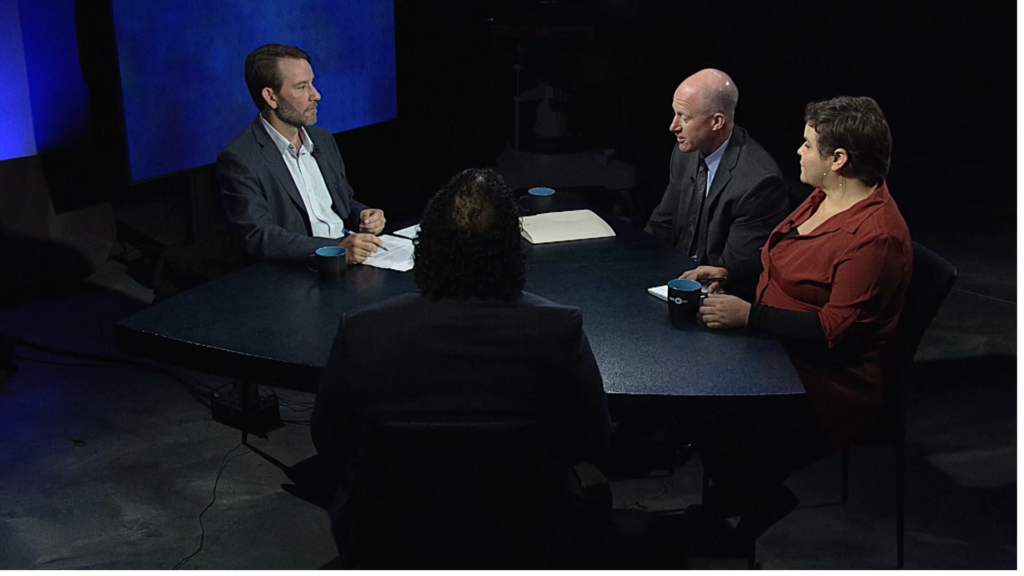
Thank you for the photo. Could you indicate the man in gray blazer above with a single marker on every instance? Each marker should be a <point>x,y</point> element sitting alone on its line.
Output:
<point>725,192</point>
<point>282,179</point>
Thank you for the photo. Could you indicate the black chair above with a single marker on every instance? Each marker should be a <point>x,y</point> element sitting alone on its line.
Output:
<point>458,495</point>
<point>931,281</point>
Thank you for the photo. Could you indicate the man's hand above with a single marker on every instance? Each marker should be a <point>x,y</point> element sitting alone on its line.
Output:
<point>725,311</point>
<point>701,272</point>
<point>371,221</point>
<point>359,246</point>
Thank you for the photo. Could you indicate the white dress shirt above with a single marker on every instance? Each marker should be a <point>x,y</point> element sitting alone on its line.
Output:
<point>323,220</point>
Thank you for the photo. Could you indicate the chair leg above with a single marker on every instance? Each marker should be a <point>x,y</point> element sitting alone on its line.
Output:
<point>900,502</point>
<point>846,475</point>
<point>749,539</point>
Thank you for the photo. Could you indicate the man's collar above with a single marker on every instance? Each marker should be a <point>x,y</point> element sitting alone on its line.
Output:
<point>281,142</point>
<point>719,152</point>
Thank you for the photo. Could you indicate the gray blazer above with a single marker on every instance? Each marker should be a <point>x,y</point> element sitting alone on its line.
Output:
<point>746,200</point>
<point>264,209</point>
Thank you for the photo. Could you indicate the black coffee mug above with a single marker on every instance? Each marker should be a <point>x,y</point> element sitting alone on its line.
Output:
<point>540,200</point>
<point>329,262</point>
<point>683,302</point>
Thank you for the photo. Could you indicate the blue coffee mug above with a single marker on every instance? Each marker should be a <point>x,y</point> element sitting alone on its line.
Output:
<point>540,199</point>
<point>329,262</point>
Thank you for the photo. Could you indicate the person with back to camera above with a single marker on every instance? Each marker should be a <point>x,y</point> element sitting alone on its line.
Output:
<point>470,343</point>
<point>832,280</point>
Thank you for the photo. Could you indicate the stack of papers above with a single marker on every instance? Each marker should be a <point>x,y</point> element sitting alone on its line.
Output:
<point>398,256</point>
<point>659,292</point>
<point>565,226</point>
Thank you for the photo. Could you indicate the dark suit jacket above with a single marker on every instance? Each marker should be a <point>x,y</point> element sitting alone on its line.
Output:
<point>412,355</point>
<point>263,206</point>
<point>746,200</point>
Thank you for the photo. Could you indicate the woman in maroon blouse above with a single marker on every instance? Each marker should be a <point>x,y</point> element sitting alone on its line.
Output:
<point>832,278</point>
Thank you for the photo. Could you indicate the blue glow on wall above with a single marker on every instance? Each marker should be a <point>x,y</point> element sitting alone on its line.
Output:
<point>60,102</point>
<point>17,138</point>
<point>182,70</point>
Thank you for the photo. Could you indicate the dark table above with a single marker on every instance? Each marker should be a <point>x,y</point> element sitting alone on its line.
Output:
<point>274,324</point>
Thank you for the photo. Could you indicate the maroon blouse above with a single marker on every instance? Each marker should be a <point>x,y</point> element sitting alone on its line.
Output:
<point>853,271</point>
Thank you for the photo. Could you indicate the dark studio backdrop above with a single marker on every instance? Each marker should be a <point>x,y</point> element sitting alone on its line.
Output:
<point>946,78</point>
<point>951,105</point>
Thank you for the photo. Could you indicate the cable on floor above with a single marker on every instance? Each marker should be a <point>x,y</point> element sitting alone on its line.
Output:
<point>200,391</point>
<point>101,361</point>
<point>298,407</point>
<point>202,529</point>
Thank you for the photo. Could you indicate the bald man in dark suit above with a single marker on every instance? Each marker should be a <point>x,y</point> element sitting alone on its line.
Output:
<point>725,192</point>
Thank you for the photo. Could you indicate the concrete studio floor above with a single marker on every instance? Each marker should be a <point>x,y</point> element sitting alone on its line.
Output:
<point>110,465</point>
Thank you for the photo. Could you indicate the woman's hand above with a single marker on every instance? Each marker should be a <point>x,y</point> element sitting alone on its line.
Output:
<point>724,311</point>
<point>703,272</point>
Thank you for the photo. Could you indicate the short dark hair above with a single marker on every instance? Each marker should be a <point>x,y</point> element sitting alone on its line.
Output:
<point>858,126</point>
<point>470,242</point>
<point>261,70</point>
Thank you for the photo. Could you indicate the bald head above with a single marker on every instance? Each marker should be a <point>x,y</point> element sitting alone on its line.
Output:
<point>714,89</point>
<point>704,106</point>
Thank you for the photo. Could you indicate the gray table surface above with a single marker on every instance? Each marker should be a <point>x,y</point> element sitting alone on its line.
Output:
<point>274,323</point>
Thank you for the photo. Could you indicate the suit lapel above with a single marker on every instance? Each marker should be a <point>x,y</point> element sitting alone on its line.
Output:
<point>722,177</point>
<point>273,158</point>
<point>687,184</point>
<point>724,172</point>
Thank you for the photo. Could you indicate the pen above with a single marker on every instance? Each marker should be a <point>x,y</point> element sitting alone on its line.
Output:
<point>347,232</point>
<point>709,280</point>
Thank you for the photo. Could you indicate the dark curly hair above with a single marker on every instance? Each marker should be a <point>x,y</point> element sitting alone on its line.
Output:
<point>858,126</point>
<point>470,243</point>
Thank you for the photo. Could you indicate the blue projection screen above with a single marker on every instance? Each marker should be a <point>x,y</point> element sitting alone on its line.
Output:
<point>182,70</point>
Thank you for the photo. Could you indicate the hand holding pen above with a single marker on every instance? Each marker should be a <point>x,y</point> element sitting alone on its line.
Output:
<point>360,246</point>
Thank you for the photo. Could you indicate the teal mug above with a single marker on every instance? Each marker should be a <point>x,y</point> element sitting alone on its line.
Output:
<point>329,262</point>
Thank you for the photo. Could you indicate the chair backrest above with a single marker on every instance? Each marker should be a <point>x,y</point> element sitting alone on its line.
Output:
<point>930,282</point>
<point>454,495</point>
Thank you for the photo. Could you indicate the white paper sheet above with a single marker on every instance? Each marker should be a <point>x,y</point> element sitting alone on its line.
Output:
<point>409,232</point>
<point>659,292</point>
<point>398,256</point>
